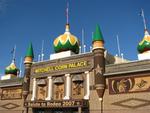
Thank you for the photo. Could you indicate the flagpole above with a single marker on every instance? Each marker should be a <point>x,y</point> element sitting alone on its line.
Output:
<point>90,48</point>
<point>92,38</point>
<point>122,57</point>
<point>42,51</point>
<point>20,67</point>
<point>118,45</point>
<point>14,53</point>
<point>82,47</point>
<point>39,57</point>
<point>79,49</point>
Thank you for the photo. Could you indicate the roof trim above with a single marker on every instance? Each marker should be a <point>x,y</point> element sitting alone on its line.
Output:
<point>124,72</point>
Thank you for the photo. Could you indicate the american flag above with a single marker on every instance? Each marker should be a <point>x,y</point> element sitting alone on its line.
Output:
<point>141,13</point>
<point>12,51</point>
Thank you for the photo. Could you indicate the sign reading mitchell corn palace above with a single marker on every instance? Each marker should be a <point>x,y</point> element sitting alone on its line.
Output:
<point>60,80</point>
<point>64,82</point>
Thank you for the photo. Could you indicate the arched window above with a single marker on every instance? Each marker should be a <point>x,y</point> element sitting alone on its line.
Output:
<point>58,88</point>
<point>77,87</point>
<point>41,89</point>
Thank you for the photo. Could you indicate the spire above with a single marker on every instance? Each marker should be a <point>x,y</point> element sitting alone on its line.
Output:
<point>98,41</point>
<point>13,52</point>
<point>143,16</point>
<point>146,33</point>
<point>67,13</point>
<point>67,19</point>
<point>97,36</point>
<point>67,28</point>
<point>30,51</point>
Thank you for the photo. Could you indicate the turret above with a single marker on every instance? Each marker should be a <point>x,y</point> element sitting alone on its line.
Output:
<point>99,61</point>
<point>27,63</point>
<point>98,41</point>
<point>29,55</point>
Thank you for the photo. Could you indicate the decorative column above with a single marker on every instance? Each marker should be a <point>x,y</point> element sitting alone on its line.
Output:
<point>87,86</point>
<point>79,110</point>
<point>34,90</point>
<point>50,83</point>
<point>67,87</point>
<point>99,62</point>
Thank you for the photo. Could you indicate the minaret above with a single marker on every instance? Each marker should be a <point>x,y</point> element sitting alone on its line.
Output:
<point>27,63</point>
<point>99,62</point>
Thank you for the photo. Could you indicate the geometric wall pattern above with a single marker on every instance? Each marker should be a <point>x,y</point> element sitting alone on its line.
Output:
<point>132,103</point>
<point>9,106</point>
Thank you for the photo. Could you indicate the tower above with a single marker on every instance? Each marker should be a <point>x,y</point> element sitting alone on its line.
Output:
<point>27,63</point>
<point>99,61</point>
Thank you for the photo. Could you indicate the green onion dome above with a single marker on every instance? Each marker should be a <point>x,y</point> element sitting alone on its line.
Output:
<point>144,45</point>
<point>66,42</point>
<point>11,69</point>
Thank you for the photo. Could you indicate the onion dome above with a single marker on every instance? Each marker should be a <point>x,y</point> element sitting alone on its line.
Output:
<point>66,42</point>
<point>144,45</point>
<point>11,69</point>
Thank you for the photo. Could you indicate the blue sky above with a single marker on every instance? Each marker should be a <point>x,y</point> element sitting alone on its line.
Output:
<point>25,21</point>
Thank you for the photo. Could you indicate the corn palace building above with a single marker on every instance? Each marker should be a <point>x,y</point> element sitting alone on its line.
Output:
<point>69,82</point>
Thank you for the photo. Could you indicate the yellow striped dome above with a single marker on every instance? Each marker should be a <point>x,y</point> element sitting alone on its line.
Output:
<point>66,41</point>
<point>144,45</point>
<point>11,69</point>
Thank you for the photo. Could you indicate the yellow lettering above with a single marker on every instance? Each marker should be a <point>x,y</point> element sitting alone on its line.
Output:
<point>61,67</point>
<point>72,65</point>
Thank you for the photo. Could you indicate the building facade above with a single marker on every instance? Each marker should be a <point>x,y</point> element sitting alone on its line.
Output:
<point>78,83</point>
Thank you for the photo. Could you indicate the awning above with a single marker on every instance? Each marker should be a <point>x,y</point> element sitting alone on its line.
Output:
<point>41,82</point>
<point>58,80</point>
<point>77,78</point>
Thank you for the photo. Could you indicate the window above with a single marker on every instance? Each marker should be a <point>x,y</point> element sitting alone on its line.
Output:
<point>41,89</point>
<point>58,88</point>
<point>77,87</point>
